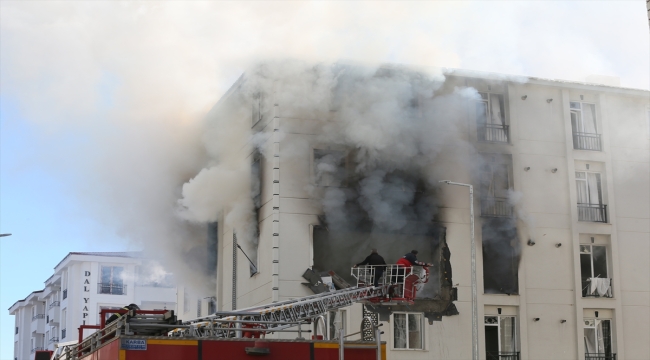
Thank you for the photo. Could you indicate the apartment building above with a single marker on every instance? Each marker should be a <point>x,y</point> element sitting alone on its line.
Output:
<point>561,177</point>
<point>82,285</point>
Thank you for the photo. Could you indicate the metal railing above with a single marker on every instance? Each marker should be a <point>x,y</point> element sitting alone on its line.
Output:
<point>54,304</point>
<point>493,133</point>
<point>390,274</point>
<point>63,333</point>
<point>38,316</point>
<point>502,355</point>
<point>586,286</point>
<point>110,288</point>
<point>592,212</point>
<point>495,207</point>
<point>53,339</point>
<point>600,356</point>
<point>38,348</point>
<point>586,141</point>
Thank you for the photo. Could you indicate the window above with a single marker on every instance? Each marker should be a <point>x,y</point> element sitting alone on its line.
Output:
<point>64,319</point>
<point>501,338</point>
<point>186,301</point>
<point>590,197</point>
<point>495,186</point>
<point>336,321</point>
<point>256,107</point>
<point>198,308</point>
<point>212,306</point>
<point>491,118</point>
<point>407,331</point>
<point>16,330</point>
<point>593,269</point>
<point>111,281</point>
<point>598,339</point>
<point>583,124</point>
<point>501,253</point>
<point>330,168</point>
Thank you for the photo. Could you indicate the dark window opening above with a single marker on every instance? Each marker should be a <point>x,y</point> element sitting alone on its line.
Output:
<point>495,186</point>
<point>501,338</point>
<point>332,168</point>
<point>501,250</point>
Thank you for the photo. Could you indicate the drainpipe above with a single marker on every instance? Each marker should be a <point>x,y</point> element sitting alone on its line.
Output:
<point>275,252</point>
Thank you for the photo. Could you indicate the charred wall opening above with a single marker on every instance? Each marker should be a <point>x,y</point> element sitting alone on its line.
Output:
<point>501,255</point>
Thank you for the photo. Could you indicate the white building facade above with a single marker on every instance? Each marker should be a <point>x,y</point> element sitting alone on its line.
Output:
<point>577,286</point>
<point>82,285</point>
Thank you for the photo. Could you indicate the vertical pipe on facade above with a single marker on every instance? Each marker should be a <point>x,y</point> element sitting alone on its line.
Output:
<point>275,274</point>
<point>234,271</point>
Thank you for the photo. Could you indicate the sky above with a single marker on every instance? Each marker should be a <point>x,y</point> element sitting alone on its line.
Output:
<point>100,102</point>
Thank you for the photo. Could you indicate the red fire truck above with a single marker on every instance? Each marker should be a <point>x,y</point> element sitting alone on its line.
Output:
<point>242,334</point>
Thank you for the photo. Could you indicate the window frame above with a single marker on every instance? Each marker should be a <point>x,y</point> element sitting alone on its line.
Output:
<point>580,118</point>
<point>595,327</point>
<point>406,324</point>
<point>591,264</point>
<point>498,325</point>
<point>112,282</point>
<point>586,180</point>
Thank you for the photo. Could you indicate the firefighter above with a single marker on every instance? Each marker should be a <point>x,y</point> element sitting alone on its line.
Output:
<point>408,260</point>
<point>117,315</point>
<point>411,259</point>
<point>377,260</point>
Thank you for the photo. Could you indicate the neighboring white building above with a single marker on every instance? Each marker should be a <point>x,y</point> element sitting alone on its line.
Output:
<point>84,283</point>
<point>573,157</point>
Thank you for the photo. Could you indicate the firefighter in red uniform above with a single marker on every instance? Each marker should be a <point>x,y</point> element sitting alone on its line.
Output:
<point>407,260</point>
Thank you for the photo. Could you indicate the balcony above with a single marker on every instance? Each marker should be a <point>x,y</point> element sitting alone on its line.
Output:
<point>592,212</point>
<point>502,356</point>
<point>493,133</point>
<point>53,339</point>
<point>495,207</point>
<point>600,356</point>
<point>54,304</point>
<point>65,294</point>
<point>586,141</point>
<point>38,324</point>
<point>111,289</point>
<point>53,316</point>
<point>38,348</point>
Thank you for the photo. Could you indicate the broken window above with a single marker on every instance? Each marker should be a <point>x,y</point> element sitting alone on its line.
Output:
<point>583,124</point>
<point>495,187</point>
<point>598,339</point>
<point>593,271</point>
<point>501,250</point>
<point>256,194</point>
<point>330,167</point>
<point>500,337</point>
<point>407,331</point>
<point>491,119</point>
<point>590,197</point>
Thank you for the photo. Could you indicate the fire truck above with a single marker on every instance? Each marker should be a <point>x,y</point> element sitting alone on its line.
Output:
<point>244,333</point>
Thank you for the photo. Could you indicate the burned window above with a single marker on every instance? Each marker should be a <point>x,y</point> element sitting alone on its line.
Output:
<point>496,186</point>
<point>491,118</point>
<point>256,195</point>
<point>593,271</point>
<point>330,167</point>
<point>500,337</point>
<point>501,250</point>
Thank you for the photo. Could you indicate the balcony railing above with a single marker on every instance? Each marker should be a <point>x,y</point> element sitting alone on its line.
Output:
<point>586,289</point>
<point>600,356</point>
<point>65,294</point>
<point>54,339</point>
<point>55,304</point>
<point>38,348</point>
<point>502,355</point>
<point>592,212</point>
<point>495,207</point>
<point>38,316</point>
<point>586,141</point>
<point>110,288</point>
<point>63,331</point>
<point>493,132</point>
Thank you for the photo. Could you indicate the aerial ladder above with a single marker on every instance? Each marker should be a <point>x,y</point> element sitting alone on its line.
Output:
<point>396,285</point>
